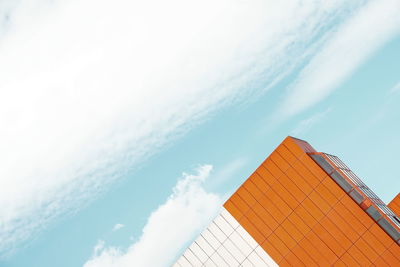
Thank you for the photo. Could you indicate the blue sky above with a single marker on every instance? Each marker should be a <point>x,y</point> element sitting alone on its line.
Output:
<point>125,127</point>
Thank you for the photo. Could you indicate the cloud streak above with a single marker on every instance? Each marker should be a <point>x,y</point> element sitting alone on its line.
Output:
<point>89,89</point>
<point>345,50</point>
<point>186,212</point>
<point>305,125</point>
<point>117,227</point>
<point>395,89</point>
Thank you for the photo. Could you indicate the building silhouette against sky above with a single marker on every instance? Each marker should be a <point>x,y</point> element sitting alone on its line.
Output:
<point>300,208</point>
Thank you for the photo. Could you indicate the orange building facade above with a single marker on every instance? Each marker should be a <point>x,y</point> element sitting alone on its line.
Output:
<point>300,208</point>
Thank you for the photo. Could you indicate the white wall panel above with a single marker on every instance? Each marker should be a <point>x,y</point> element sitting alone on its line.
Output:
<point>256,260</point>
<point>211,239</point>
<point>228,258</point>
<point>184,262</point>
<point>265,257</point>
<point>247,263</point>
<point>192,258</point>
<point>210,263</point>
<point>229,218</point>
<point>214,229</point>
<point>225,243</point>
<point>247,237</point>
<point>201,255</point>
<point>217,259</point>
<point>240,243</point>
<point>205,246</point>
<point>236,253</point>
<point>223,225</point>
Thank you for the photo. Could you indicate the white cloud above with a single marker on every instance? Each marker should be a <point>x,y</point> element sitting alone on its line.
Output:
<point>99,247</point>
<point>90,88</point>
<point>305,125</point>
<point>345,50</point>
<point>117,227</point>
<point>186,212</point>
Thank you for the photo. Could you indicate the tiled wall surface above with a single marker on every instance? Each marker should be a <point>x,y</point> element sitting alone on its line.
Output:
<point>301,217</point>
<point>224,243</point>
<point>290,212</point>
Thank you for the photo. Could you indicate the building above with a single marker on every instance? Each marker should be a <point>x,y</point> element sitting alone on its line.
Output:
<point>300,208</point>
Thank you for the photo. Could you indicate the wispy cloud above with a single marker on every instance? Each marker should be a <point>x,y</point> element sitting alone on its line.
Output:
<point>90,89</point>
<point>186,212</point>
<point>226,172</point>
<point>305,125</point>
<point>346,49</point>
<point>118,226</point>
<point>395,89</point>
<point>99,247</point>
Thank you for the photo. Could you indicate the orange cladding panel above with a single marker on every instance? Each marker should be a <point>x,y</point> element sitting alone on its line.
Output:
<point>301,216</point>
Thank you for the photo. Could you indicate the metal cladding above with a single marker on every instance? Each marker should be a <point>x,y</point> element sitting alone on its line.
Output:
<point>300,208</point>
